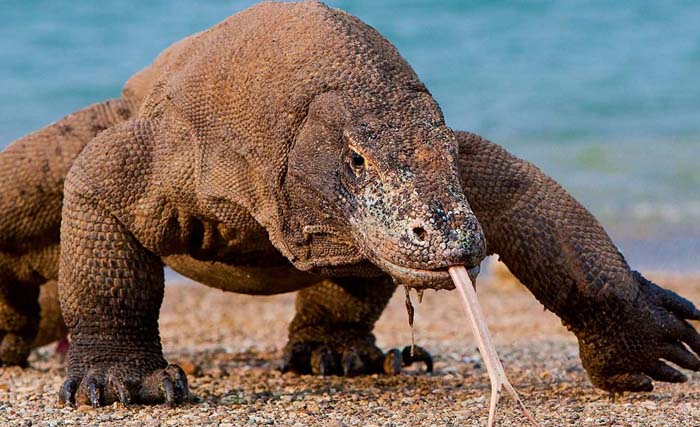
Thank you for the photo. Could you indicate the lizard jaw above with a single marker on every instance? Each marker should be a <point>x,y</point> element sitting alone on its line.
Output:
<point>417,278</point>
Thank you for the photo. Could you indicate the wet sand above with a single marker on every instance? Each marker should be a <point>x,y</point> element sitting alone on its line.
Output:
<point>230,345</point>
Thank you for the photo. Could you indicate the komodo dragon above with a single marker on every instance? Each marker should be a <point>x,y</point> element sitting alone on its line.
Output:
<point>291,147</point>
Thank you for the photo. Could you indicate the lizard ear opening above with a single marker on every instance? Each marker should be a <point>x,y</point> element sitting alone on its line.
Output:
<point>318,143</point>
<point>330,108</point>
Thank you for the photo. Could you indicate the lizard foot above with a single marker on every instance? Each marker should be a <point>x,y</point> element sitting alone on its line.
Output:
<point>631,349</point>
<point>349,358</point>
<point>14,349</point>
<point>102,387</point>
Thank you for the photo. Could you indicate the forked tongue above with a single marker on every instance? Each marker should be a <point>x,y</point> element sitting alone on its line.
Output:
<point>462,278</point>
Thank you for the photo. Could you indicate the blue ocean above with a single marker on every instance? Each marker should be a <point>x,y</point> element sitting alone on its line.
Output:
<point>603,96</point>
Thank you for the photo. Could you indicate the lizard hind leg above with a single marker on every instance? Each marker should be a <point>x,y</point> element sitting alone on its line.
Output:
<point>19,313</point>
<point>30,317</point>
<point>52,327</point>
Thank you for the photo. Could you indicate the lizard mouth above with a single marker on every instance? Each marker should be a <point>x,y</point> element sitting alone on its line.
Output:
<point>417,278</point>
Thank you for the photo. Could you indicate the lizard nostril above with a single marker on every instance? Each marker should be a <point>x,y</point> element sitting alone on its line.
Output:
<point>420,233</point>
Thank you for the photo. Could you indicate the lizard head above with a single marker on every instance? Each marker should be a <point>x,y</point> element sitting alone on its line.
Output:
<point>315,125</point>
<point>382,186</point>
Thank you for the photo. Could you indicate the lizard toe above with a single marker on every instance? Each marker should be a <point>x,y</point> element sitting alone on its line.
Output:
<point>393,360</point>
<point>66,394</point>
<point>349,357</point>
<point>411,355</point>
<point>352,363</point>
<point>106,385</point>
<point>324,362</point>
<point>90,391</point>
<point>167,386</point>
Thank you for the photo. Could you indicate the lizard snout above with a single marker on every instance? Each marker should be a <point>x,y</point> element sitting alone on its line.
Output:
<point>424,250</point>
<point>434,246</point>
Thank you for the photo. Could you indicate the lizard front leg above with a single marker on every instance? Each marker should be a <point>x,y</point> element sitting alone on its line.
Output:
<point>624,323</point>
<point>331,333</point>
<point>111,289</point>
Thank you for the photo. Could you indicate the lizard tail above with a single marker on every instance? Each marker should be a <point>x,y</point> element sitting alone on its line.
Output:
<point>33,168</point>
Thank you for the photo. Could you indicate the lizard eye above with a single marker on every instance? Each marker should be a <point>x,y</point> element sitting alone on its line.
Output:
<point>357,162</point>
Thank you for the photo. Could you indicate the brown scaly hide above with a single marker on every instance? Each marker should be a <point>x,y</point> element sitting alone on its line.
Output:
<point>233,160</point>
<point>240,160</point>
<point>32,172</point>
<point>624,323</point>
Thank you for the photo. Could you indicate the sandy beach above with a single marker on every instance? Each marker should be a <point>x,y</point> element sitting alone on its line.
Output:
<point>230,346</point>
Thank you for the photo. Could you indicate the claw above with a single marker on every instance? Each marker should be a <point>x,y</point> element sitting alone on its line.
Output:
<point>681,357</point>
<point>352,363</point>
<point>286,364</point>
<point>691,337</point>
<point>662,372</point>
<point>348,359</point>
<point>629,382</point>
<point>168,389</point>
<point>680,306</point>
<point>297,359</point>
<point>392,362</point>
<point>323,362</point>
<point>182,391</point>
<point>93,392</point>
<point>419,355</point>
<point>674,302</point>
<point>66,394</point>
<point>119,390</point>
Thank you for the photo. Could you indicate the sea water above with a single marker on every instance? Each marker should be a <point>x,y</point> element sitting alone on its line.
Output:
<point>604,96</point>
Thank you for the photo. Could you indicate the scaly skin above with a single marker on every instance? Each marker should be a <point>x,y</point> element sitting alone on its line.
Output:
<point>242,172</point>
<point>274,142</point>
<point>32,172</point>
<point>623,322</point>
